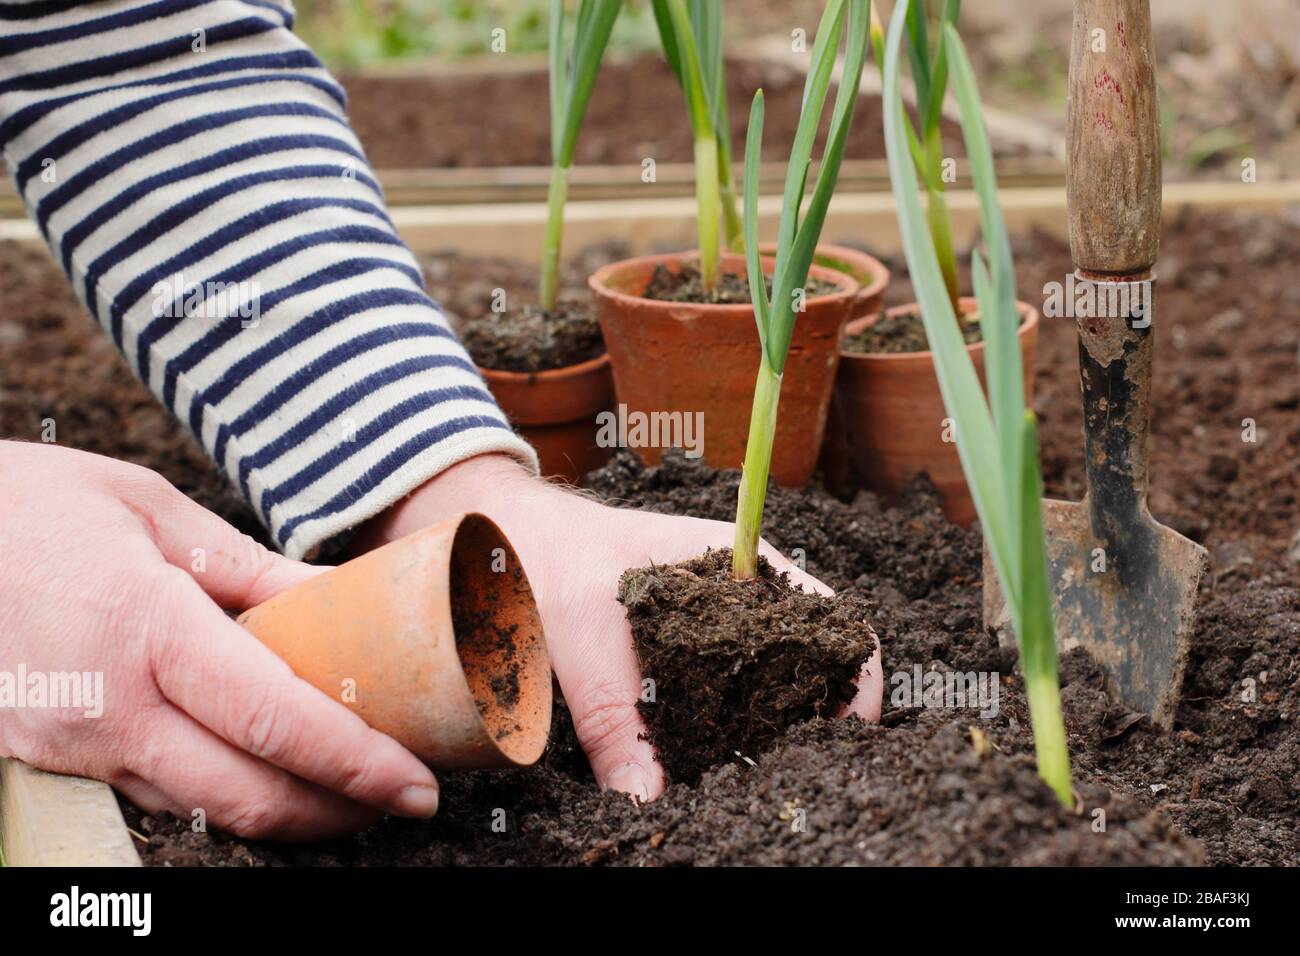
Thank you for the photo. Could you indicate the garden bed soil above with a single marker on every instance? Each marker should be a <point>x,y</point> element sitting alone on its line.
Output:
<point>733,664</point>
<point>636,113</point>
<point>925,785</point>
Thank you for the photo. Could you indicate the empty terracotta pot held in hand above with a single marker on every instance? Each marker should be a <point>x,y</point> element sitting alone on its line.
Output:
<point>434,639</point>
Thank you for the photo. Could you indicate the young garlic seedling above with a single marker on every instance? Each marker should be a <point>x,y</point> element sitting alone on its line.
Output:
<point>692,42</point>
<point>930,76</point>
<point>705,26</point>
<point>572,77</point>
<point>998,446</point>
<point>796,243</point>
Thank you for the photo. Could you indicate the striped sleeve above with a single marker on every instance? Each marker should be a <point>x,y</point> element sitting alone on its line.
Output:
<point>191,166</point>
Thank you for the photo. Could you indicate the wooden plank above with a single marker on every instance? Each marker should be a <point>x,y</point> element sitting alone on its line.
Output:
<point>47,819</point>
<point>514,230</point>
<point>482,185</point>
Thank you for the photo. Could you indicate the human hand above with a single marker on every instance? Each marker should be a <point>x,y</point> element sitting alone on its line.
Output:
<point>106,569</point>
<point>574,551</point>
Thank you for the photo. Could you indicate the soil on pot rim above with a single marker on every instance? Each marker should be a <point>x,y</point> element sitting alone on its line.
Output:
<point>522,338</point>
<point>895,334</point>
<point>734,663</point>
<point>917,788</point>
<point>687,285</point>
<point>534,339</point>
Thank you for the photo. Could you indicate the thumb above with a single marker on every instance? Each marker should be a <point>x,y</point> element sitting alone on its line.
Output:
<point>235,570</point>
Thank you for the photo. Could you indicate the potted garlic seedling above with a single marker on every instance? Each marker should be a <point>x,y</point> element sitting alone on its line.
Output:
<point>887,399</point>
<point>434,639</point>
<point>737,654</point>
<point>997,441</point>
<point>705,23</point>
<point>711,129</point>
<point>546,364</point>
<point>679,328</point>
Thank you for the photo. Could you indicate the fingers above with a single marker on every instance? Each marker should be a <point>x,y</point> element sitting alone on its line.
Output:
<point>601,679</point>
<point>186,768</point>
<point>238,689</point>
<point>871,689</point>
<point>231,567</point>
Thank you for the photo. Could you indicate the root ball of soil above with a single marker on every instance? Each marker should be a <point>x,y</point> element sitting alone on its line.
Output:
<point>735,663</point>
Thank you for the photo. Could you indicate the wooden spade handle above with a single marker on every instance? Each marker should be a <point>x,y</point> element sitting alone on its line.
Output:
<point>1113,139</point>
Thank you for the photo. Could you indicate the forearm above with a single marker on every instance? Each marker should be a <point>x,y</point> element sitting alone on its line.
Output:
<point>196,176</point>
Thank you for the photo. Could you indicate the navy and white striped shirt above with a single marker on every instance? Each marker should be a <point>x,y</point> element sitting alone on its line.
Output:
<point>191,165</point>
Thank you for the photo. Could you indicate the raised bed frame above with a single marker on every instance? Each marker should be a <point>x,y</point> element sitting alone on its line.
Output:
<point>47,819</point>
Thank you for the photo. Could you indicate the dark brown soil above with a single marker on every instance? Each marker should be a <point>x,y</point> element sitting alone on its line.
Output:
<point>533,339</point>
<point>894,334</point>
<point>1222,786</point>
<point>474,289</point>
<point>687,285</point>
<point>734,664</point>
<point>636,112</point>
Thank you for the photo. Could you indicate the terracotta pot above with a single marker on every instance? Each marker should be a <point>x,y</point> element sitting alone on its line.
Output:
<point>871,273</point>
<point>688,358</point>
<point>421,631</point>
<point>893,414</point>
<point>556,411</point>
<point>873,276</point>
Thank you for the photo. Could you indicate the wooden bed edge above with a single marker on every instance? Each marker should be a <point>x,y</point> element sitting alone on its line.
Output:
<point>48,819</point>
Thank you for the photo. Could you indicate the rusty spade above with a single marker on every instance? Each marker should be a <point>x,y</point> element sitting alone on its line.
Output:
<point>1125,586</point>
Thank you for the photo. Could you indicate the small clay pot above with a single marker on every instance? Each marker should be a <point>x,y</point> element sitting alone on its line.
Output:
<point>893,413</point>
<point>434,639</point>
<point>556,411</point>
<point>684,357</point>
<point>871,273</point>
<point>873,277</point>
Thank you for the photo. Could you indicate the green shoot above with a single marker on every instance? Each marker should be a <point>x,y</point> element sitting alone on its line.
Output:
<point>930,75</point>
<point>998,447</point>
<point>796,243</point>
<point>572,77</point>
<point>692,42</point>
